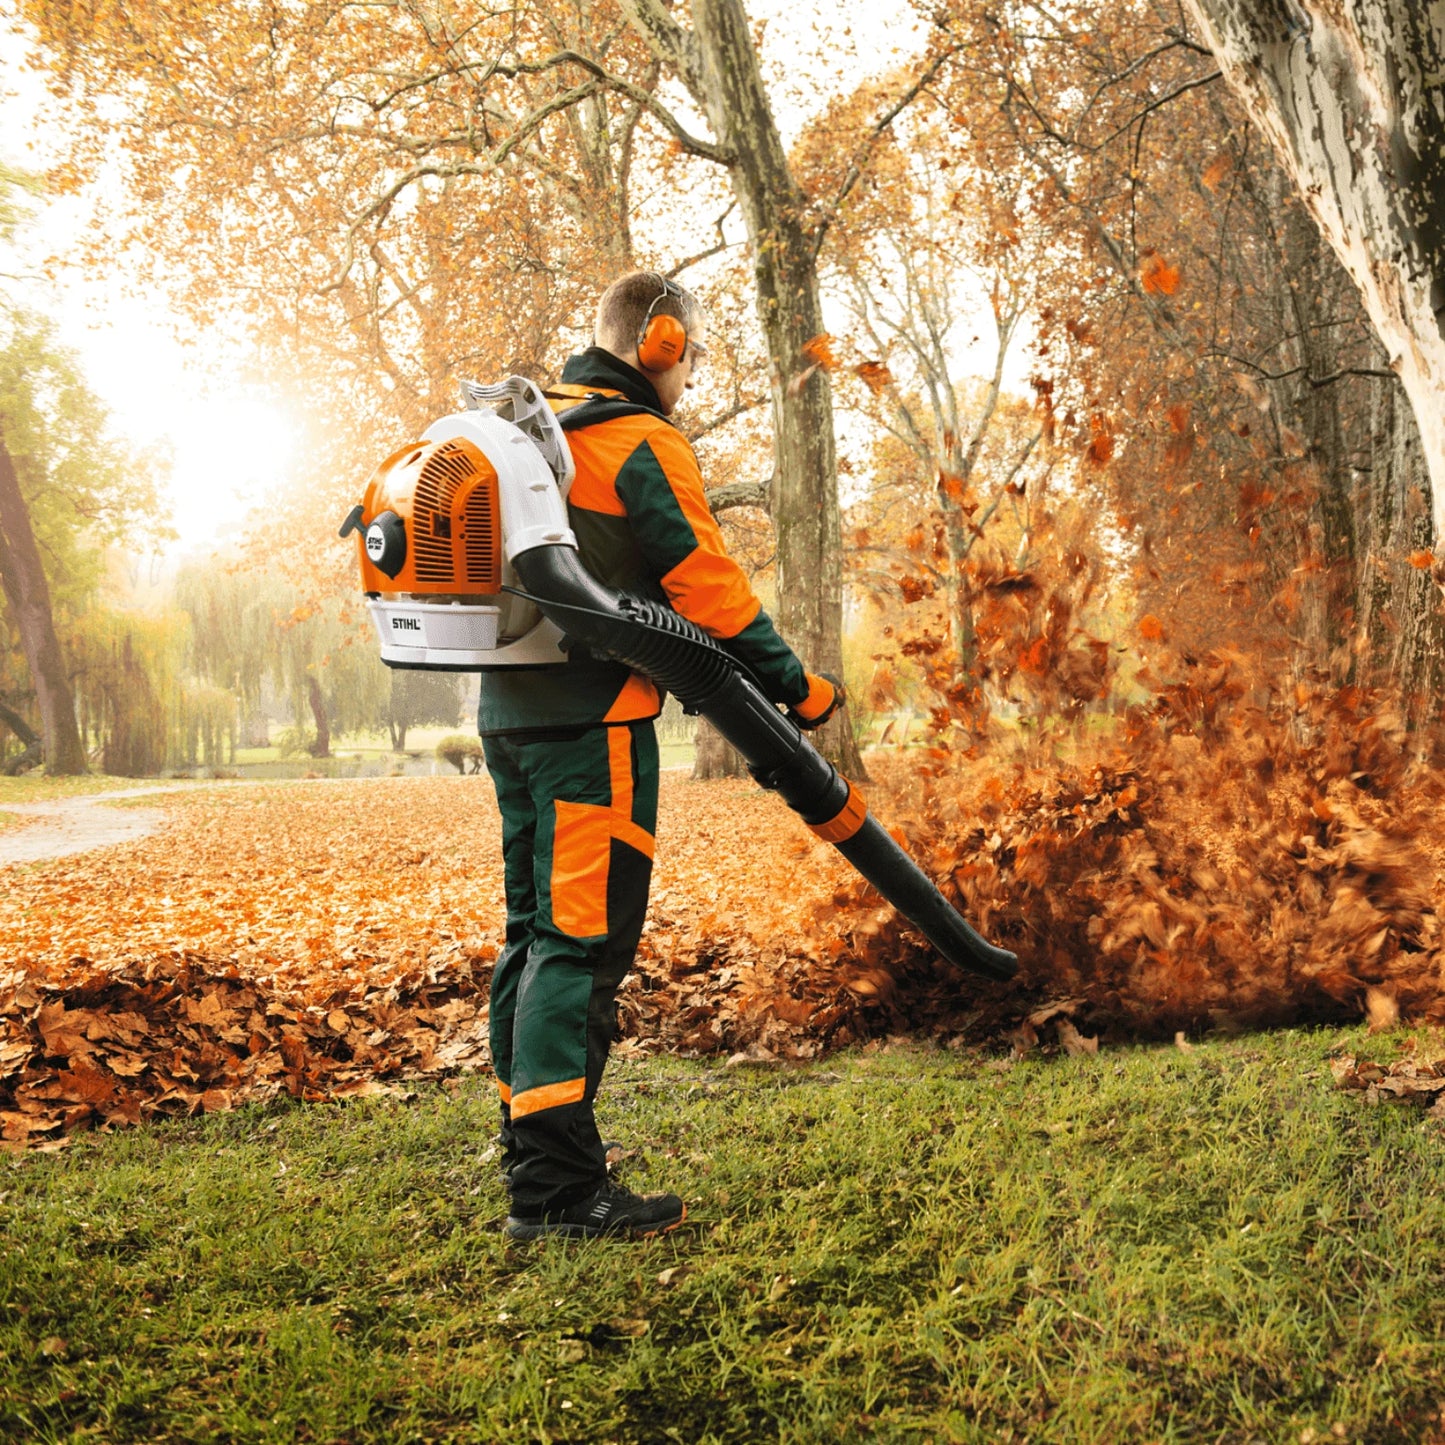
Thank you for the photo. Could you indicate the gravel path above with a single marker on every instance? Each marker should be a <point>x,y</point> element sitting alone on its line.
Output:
<point>74,825</point>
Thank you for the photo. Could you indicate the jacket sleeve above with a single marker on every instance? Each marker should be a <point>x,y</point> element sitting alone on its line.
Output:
<point>661,488</point>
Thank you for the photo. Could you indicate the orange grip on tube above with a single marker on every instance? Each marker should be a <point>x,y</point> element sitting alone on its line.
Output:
<point>846,821</point>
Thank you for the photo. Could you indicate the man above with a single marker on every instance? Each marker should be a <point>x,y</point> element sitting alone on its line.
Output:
<point>573,755</point>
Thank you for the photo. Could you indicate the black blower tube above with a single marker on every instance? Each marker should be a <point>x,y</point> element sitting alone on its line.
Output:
<point>679,656</point>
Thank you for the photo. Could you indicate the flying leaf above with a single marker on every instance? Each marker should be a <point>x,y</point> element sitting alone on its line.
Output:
<point>1253,390</point>
<point>821,349</point>
<point>1101,444</point>
<point>1217,169</point>
<point>875,375</point>
<point>796,385</point>
<point>1150,628</point>
<point>1157,276</point>
<point>1421,559</point>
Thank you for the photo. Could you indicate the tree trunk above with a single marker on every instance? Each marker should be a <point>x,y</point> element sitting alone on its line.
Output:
<point>1327,551</point>
<point>1348,93</point>
<point>321,748</point>
<point>716,756</point>
<point>28,592</point>
<point>719,65</point>
<point>1401,630</point>
<point>29,740</point>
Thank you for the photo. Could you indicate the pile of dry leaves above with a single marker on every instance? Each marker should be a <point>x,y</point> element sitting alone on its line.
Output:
<point>1233,863</point>
<point>1220,862</point>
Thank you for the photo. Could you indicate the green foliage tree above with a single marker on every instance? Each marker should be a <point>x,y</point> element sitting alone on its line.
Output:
<point>68,489</point>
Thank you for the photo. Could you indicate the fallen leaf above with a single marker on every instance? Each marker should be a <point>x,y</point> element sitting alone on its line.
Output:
<point>1076,1045</point>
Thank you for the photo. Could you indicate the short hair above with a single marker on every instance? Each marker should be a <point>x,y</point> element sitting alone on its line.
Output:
<point>626,303</point>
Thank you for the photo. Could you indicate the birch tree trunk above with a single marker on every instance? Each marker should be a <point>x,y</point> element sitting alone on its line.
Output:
<point>1350,95</point>
<point>28,593</point>
<point>718,63</point>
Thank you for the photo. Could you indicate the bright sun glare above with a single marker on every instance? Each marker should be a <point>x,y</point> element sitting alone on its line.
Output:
<point>229,439</point>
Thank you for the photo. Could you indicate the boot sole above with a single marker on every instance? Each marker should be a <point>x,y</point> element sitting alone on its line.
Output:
<point>523,1229</point>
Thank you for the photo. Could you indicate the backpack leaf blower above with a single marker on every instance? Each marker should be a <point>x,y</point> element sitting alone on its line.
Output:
<point>468,563</point>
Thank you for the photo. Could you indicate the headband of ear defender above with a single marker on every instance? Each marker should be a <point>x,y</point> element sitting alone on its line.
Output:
<point>661,340</point>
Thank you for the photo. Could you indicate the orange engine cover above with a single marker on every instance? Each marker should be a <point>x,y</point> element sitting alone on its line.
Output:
<point>446,496</point>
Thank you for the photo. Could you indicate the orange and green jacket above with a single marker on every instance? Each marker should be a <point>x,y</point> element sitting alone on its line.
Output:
<point>643,527</point>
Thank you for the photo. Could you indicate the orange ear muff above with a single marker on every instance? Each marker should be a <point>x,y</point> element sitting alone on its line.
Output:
<point>662,343</point>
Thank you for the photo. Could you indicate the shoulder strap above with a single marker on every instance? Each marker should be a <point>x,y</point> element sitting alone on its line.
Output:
<point>578,406</point>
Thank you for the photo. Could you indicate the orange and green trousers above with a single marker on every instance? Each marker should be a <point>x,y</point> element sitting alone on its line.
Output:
<point>579,812</point>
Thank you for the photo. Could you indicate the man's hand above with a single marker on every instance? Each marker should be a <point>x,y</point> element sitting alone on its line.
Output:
<point>825,697</point>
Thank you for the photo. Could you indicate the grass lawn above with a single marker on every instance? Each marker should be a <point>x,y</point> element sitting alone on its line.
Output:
<point>897,1244</point>
<point>37,788</point>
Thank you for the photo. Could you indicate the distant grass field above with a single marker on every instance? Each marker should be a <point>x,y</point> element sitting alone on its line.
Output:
<point>37,788</point>
<point>901,1244</point>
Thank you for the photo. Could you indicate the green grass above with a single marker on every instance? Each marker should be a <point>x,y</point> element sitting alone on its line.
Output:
<point>676,755</point>
<point>899,1245</point>
<point>37,788</point>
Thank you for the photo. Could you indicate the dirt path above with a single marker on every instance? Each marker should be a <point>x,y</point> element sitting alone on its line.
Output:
<point>74,825</point>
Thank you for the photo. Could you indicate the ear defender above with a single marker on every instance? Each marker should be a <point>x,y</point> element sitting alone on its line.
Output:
<point>662,341</point>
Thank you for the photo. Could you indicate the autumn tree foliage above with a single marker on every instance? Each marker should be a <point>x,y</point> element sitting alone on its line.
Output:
<point>456,204</point>
<point>1206,356</point>
<point>396,194</point>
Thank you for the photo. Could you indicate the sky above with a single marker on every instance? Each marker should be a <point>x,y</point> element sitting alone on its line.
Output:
<point>229,436</point>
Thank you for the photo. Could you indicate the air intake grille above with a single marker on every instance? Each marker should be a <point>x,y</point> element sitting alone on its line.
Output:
<point>483,544</point>
<point>444,472</point>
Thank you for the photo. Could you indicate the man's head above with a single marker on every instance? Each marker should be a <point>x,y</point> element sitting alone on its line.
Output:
<point>624,313</point>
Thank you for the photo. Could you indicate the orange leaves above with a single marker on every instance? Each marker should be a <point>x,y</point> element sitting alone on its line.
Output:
<point>952,489</point>
<point>1035,657</point>
<point>822,350</point>
<point>1157,276</point>
<point>1254,495</point>
<point>1217,169</point>
<point>1180,446</point>
<point>1421,559</point>
<point>875,376</point>
<point>915,588</point>
<point>1151,629</point>
<point>1101,442</point>
<point>823,355</point>
<point>333,940</point>
<point>1410,1079</point>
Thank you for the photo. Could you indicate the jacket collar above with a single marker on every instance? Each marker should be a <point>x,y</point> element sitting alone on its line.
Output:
<point>600,368</point>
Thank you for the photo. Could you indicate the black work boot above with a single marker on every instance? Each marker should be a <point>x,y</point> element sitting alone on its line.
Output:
<point>612,1210</point>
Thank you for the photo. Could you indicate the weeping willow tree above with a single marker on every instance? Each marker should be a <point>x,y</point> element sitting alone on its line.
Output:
<point>251,631</point>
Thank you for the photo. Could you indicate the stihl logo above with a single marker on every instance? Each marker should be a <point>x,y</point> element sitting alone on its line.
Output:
<point>375,544</point>
<point>405,624</point>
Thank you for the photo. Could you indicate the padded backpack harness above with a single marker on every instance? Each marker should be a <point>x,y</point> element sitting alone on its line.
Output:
<point>583,406</point>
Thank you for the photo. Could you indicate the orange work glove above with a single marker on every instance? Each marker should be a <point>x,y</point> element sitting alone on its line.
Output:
<point>825,697</point>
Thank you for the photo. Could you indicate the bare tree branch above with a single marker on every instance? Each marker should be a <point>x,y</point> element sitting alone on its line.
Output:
<point>690,142</point>
<point>739,494</point>
<point>864,154</point>
<point>668,40</point>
